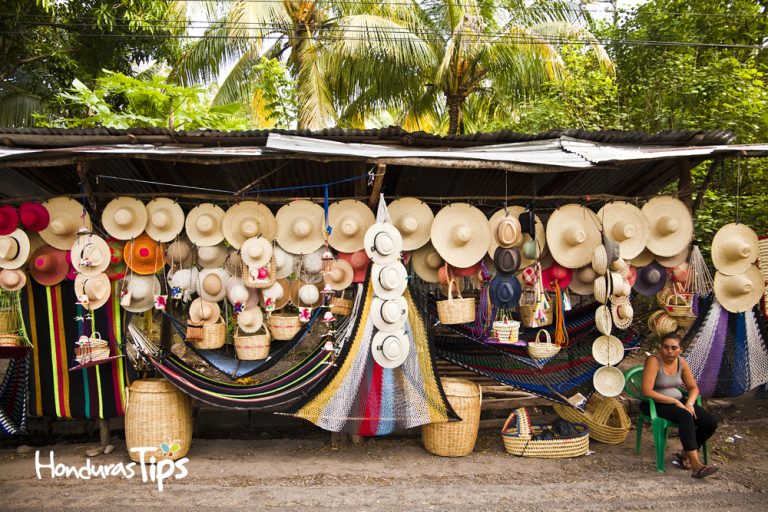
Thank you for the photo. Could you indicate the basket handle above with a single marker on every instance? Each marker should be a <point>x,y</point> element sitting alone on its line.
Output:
<point>546,335</point>
<point>96,335</point>
<point>451,283</point>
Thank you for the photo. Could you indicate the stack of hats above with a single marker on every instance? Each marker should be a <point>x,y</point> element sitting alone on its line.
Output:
<point>739,285</point>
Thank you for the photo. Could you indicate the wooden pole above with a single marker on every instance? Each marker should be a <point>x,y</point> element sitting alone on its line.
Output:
<point>378,182</point>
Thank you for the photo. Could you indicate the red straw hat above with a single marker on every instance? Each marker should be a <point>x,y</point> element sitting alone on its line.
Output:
<point>48,266</point>
<point>144,255</point>
<point>9,219</point>
<point>359,261</point>
<point>34,216</point>
<point>556,272</point>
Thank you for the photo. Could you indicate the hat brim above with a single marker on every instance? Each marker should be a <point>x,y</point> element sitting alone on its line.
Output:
<point>222,293</point>
<point>620,323</point>
<point>419,264</point>
<point>282,301</point>
<point>380,323</point>
<point>672,261</point>
<point>378,354</point>
<point>341,210</point>
<point>581,287</point>
<point>667,245</point>
<point>59,271</point>
<point>139,211</point>
<point>349,274</point>
<point>379,290</point>
<point>80,281</point>
<point>175,225</point>
<point>451,217</point>
<point>204,239</point>
<point>417,208</point>
<point>740,303</point>
<point>254,326</point>
<point>237,214</point>
<point>71,209</point>
<point>723,238</point>
<point>76,255</point>
<point>493,225</point>
<point>621,211</point>
<point>286,218</point>
<point>22,254</point>
<point>217,262</point>
<point>146,303</point>
<point>608,350</point>
<point>266,252</point>
<point>173,256</point>
<point>573,216</point>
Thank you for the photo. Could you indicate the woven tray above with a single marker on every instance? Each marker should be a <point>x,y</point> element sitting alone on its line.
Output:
<point>518,435</point>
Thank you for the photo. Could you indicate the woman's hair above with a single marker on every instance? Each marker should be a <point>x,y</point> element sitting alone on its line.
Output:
<point>672,336</point>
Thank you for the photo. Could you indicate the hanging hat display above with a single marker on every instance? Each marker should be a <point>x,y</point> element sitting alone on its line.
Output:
<point>359,261</point>
<point>532,247</point>
<point>211,256</point>
<point>349,220</point>
<point>734,249</point>
<point>460,234</point>
<point>413,218</point>
<point>203,224</point>
<point>389,281</point>
<point>740,292</point>
<point>9,219</point>
<point>165,219</point>
<point>670,225</point>
<point>643,259</point>
<point>505,229</point>
<point>138,292</point>
<point>556,273</point>
<point>144,255</point>
<point>179,254</point>
<point>90,255</point>
<point>248,219</point>
<point>507,260</point>
<point>340,275</point>
<point>389,315</point>
<point>67,216</point>
<point>304,294</point>
<point>204,311</point>
<point>390,349</point>
<point>14,249</point>
<point>124,218</point>
<point>622,314</point>
<point>256,252</point>
<point>383,243</point>
<point>573,232</point>
<point>250,320</point>
<point>625,224</point>
<point>505,291</point>
<point>12,280</point>
<point>213,283</point>
<point>427,262</point>
<point>583,280</point>
<point>116,268</point>
<point>33,216</point>
<point>278,294</point>
<point>92,291</point>
<point>650,279</point>
<point>48,265</point>
<point>300,226</point>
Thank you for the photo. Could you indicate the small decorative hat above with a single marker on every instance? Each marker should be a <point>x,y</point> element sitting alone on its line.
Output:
<point>213,283</point>
<point>300,226</point>
<point>165,219</point>
<point>14,249</point>
<point>389,281</point>
<point>573,232</point>
<point>12,280</point>
<point>144,255</point>
<point>284,262</point>
<point>116,268</point>
<point>95,288</point>
<point>670,225</point>
<point>203,224</point>
<point>349,221</point>
<point>33,216</point>
<point>279,293</point>
<point>138,292</point>
<point>304,294</point>
<point>603,320</point>
<point>124,218</point>
<point>389,315</point>
<point>505,291</point>
<point>583,280</point>
<point>413,218</point>
<point>734,249</point>
<point>505,229</point>
<point>383,243</point>
<point>9,219</point>
<point>625,224</point>
<point>90,255</point>
<point>427,262</point>
<point>248,219</point>
<point>390,349</point>
<point>461,235</point>
<point>740,292</point>
<point>650,279</point>
<point>186,279</point>
<point>556,273</point>
<point>204,311</point>
<point>359,261</point>
<point>608,350</point>
<point>622,314</point>
<point>256,252</point>
<point>211,256</point>
<point>250,320</point>
<point>67,216</point>
<point>179,254</point>
<point>340,275</point>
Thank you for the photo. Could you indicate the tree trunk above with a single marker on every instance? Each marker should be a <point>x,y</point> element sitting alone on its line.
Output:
<point>455,103</point>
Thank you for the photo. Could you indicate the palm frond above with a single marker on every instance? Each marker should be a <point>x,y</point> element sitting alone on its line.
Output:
<point>203,60</point>
<point>236,87</point>
<point>314,96</point>
<point>566,32</point>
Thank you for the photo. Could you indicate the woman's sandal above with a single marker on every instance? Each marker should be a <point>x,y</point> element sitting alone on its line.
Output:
<point>679,460</point>
<point>704,471</point>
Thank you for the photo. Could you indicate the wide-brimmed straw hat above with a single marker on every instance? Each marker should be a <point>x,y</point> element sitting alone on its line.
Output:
<point>124,218</point>
<point>426,262</point>
<point>583,280</point>
<point>205,311</point>
<point>138,292</point>
<point>734,249</point>
<point>389,281</point>
<point>33,216</point>
<point>284,262</point>
<point>300,228</point>
<point>389,315</point>
<point>622,314</point>
<point>383,243</point>
<point>643,259</point>
<point>250,320</point>
<point>573,232</point>
<point>90,255</point>
<point>461,235</point>
<point>144,255</point>
<point>349,220</point>
<point>9,219</point>
<point>66,218</point>
<point>179,253</point>
<point>390,349</point>
<point>505,291</point>
<point>740,292</point>
<point>650,279</point>
<point>211,256</point>
<point>413,218</point>
<point>48,265</point>
<point>505,229</point>
<point>246,220</point>
<point>340,275</point>
<point>359,261</point>
<point>12,279</point>
<point>279,292</point>
<point>256,252</point>
<point>213,284</point>
<point>14,249</point>
<point>625,224</point>
<point>673,261</point>
<point>670,225</point>
<point>203,224</point>
<point>96,289</point>
<point>304,294</point>
<point>608,350</point>
<point>165,219</point>
<point>556,273</point>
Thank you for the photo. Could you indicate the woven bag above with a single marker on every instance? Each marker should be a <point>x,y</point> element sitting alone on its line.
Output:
<point>251,281</point>
<point>341,306</point>
<point>605,417</point>
<point>194,331</point>
<point>519,437</point>
<point>456,311</point>
<point>530,304</point>
<point>542,349</point>
<point>284,326</point>
<point>252,347</point>
<point>214,336</point>
<point>506,330</point>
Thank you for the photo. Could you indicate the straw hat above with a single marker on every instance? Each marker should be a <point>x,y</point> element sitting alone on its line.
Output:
<point>625,224</point>
<point>602,289</point>
<point>256,252</point>
<point>507,261</point>
<point>505,229</point>
<point>426,262</point>
<point>383,243</point>
<point>608,381</point>
<point>250,320</point>
<point>413,218</point>
<point>389,315</point>
<point>179,253</point>
<point>583,280</point>
<point>608,350</point>
<point>670,225</point>
<point>390,349</point>
<point>211,256</point>
<point>248,219</point>
<point>12,280</point>
<point>304,294</point>
<point>186,279</point>
<point>603,319</point>
<point>233,263</point>
<point>461,235</point>
<point>505,291</point>
<point>165,219</point>
<point>213,284</point>
<point>48,265</point>
<point>67,216</point>
<point>116,268</point>
<point>144,255</point>
<point>340,275</point>
<point>359,261</point>
<point>278,292</point>
<point>532,250</point>
<point>622,314</point>
<point>300,228</point>
<point>540,240</point>
<point>14,249</point>
<point>284,262</point>
<point>643,259</point>
<point>739,292</point>
<point>573,232</point>
<point>203,224</point>
<point>9,219</point>
<point>389,281</point>
<point>556,272</point>
<point>33,216</point>
<point>650,279</point>
<point>138,292</point>
<point>311,266</point>
<point>734,249</point>
<point>90,255</point>
<point>204,311</point>
<point>96,288</point>
<point>349,220</point>
<point>673,261</point>
<point>661,323</point>
<point>124,218</point>
<point>237,293</point>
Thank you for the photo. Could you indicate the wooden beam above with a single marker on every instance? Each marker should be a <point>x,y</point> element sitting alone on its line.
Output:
<point>378,181</point>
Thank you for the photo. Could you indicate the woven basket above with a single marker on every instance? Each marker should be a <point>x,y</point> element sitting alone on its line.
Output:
<point>605,417</point>
<point>341,306</point>
<point>685,322</point>
<point>527,308</point>
<point>506,331</point>
<point>456,439</point>
<point>679,305</point>
<point>157,414</point>
<point>252,347</point>
<point>10,339</point>
<point>455,311</point>
<point>661,323</point>
<point>9,320</point>
<point>542,349</point>
<point>518,434</point>
<point>284,326</point>
<point>264,283</point>
<point>214,336</point>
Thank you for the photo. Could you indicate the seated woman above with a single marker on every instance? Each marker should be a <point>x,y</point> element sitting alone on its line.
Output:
<point>663,375</point>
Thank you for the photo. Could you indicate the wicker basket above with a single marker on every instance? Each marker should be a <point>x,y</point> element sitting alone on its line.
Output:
<point>249,282</point>
<point>606,418</point>
<point>214,336</point>
<point>157,414</point>
<point>685,322</point>
<point>194,331</point>
<point>506,331</point>
<point>456,439</point>
<point>518,434</point>
<point>455,311</point>
<point>341,306</point>
<point>10,339</point>
<point>661,323</point>
<point>9,320</point>
<point>284,326</point>
<point>527,308</point>
<point>252,347</point>
<point>542,349</point>
<point>679,305</point>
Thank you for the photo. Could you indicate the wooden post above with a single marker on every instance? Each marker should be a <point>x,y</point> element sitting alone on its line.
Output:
<point>381,169</point>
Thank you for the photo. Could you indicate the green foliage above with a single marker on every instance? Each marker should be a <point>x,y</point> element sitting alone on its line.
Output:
<point>274,92</point>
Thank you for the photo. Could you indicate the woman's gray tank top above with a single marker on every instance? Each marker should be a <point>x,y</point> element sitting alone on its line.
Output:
<point>668,384</point>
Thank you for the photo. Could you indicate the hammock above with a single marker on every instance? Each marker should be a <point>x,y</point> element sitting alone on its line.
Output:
<point>13,397</point>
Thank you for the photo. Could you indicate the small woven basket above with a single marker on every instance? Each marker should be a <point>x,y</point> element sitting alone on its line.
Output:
<point>214,336</point>
<point>341,306</point>
<point>605,417</point>
<point>194,331</point>
<point>284,326</point>
<point>250,282</point>
<point>506,331</point>
<point>456,439</point>
<point>661,323</point>
<point>540,349</point>
<point>252,347</point>
<point>518,434</point>
<point>10,339</point>
<point>527,309</point>
<point>455,311</point>
<point>679,305</point>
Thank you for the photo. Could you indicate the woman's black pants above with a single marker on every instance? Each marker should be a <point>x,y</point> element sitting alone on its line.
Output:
<point>694,432</point>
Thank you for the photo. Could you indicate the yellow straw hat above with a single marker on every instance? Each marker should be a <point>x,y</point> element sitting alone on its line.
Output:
<point>461,235</point>
<point>165,219</point>
<point>573,232</point>
<point>124,218</point>
<point>300,228</point>
<point>670,225</point>
<point>734,249</point>
<point>625,224</point>
<point>67,217</point>
<point>203,224</point>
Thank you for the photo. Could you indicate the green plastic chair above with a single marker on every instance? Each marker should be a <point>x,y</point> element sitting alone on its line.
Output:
<point>660,427</point>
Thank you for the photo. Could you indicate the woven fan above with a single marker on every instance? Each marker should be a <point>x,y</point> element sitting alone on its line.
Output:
<point>699,279</point>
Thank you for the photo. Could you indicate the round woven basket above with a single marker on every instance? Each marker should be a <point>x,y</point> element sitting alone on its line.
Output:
<point>284,326</point>
<point>542,349</point>
<point>252,347</point>
<point>214,336</point>
<point>456,439</point>
<point>661,323</point>
<point>10,339</point>
<point>157,414</point>
<point>606,418</point>
<point>455,311</point>
<point>519,439</point>
<point>341,306</point>
<point>9,320</point>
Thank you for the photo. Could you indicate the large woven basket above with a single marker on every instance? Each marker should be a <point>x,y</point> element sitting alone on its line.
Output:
<point>284,326</point>
<point>9,320</point>
<point>542,349</point>
<point>157,414</point>
<point>456,439</point>
<point>214,336</point>
<point>252,347</point>
<point>518,434</point>
<point>455,311</point>
<point>605,417</point>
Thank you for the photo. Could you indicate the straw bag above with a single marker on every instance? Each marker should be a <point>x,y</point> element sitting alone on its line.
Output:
<point>456,439</point>
<point>284,326</point>
<point>341,306</point>
<point>524,439</point>
<point>605,417</point>
<point>251,281</point>
<point>455,311</point>
<point>506,330</point>
<point>679,303</point>
<point>194,331</point>
<point>542,350</point>
<point>252,347</point>
<point>214,336</point>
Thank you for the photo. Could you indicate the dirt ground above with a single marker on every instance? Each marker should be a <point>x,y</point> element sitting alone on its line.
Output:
<point>398,474</point>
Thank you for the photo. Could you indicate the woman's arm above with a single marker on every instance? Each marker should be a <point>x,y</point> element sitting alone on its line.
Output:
<point>650,370</point>
<point>690,383</point>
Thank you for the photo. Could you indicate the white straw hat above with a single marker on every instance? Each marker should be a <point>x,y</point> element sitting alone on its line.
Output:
<point>165,219</point>
<point>300,228</point>
<point>67,216</point>
<point>14,250</point>
<point>389,281</point>
<point>625,224</point>
<point>12,280</point>
<point>250,320</point>
<point>389,315</point>
<point>96,288</point>
<point>304,294</point>
<point>204,311</point>
<point>246,220</point>
<point>426,262</point>
<point>278,292</point>
<point>211,256</point>
<point>124,218</point>
<point>213,284</point>
<point>141,291</point>
<point>179,253</point>
<point>740,292</point>
<point>256,252</point>
<point>203,224</point>
<point>413,218</point>
<point>383,243</point>
<point>390,349</point>
<point>670,225</point>
<point>573,232</point>
<point>284,262</point>
<point>237,292</point>
<point>90,255</point>
<point>349,220</point>
<point>461,235</point>
<point>734,249</point>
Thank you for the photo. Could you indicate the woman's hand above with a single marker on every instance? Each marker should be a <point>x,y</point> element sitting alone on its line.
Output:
<point>681,405</point>
<point>690,409</point>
